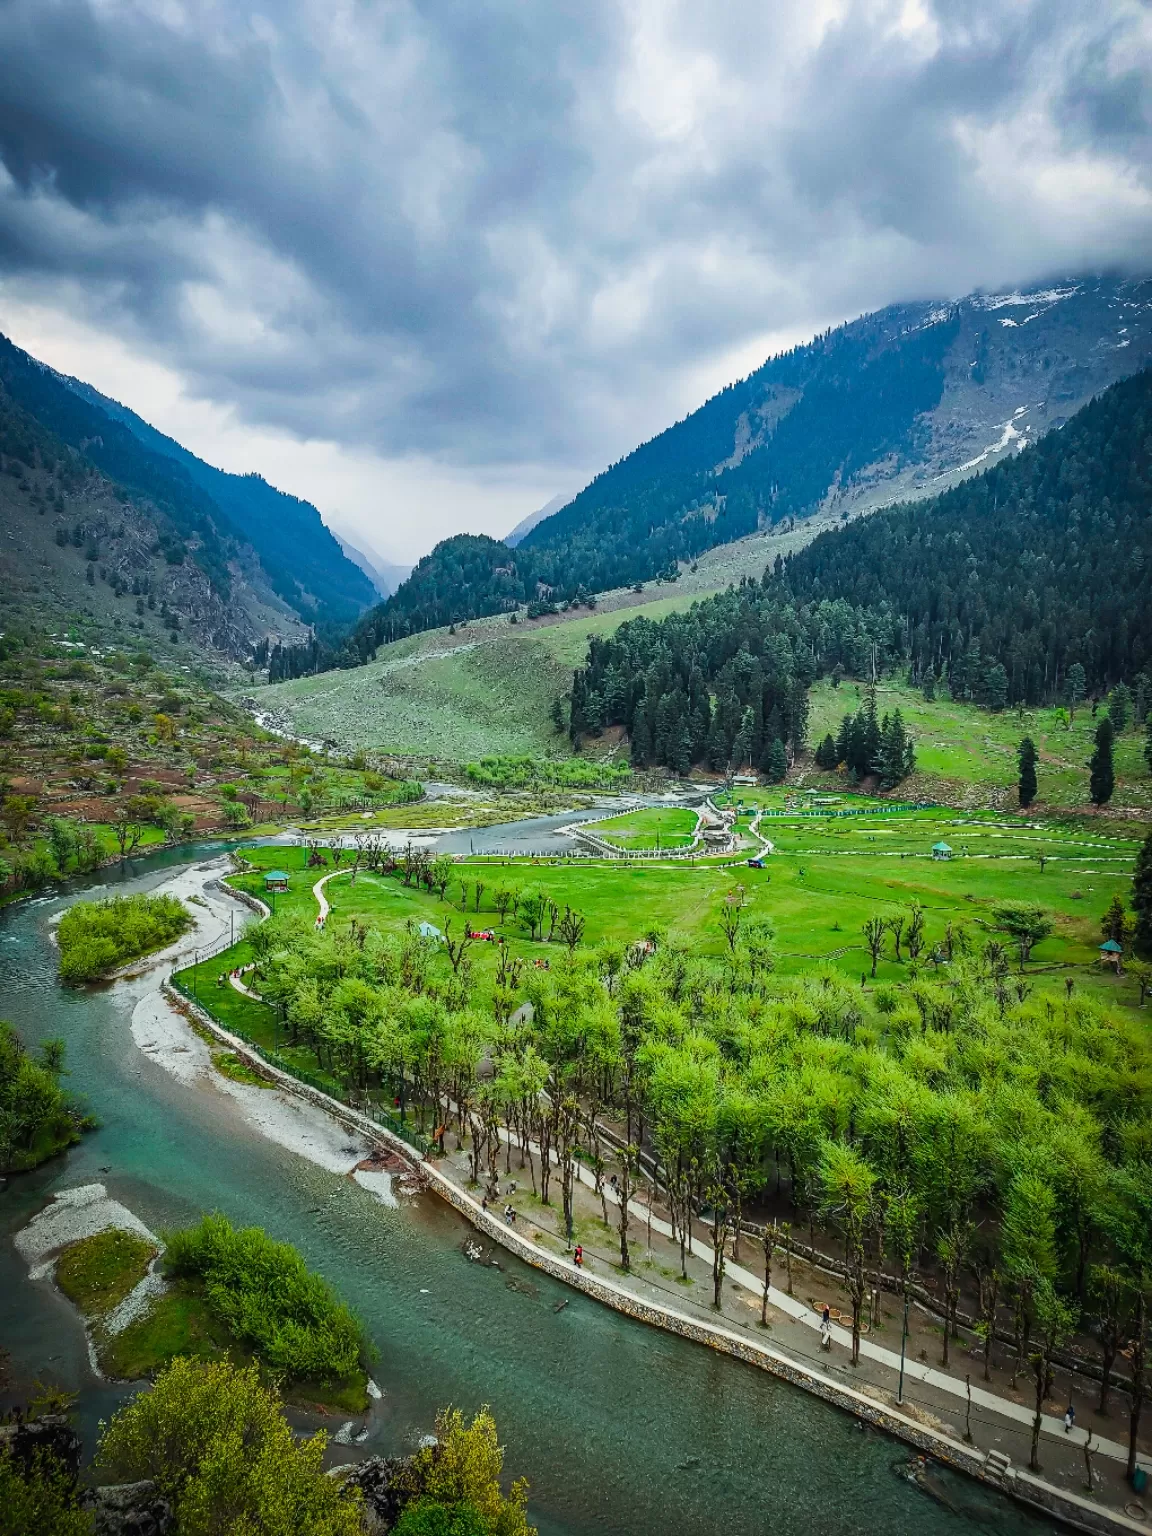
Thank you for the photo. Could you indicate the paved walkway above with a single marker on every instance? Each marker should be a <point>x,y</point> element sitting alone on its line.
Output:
<point>914,1370</point>
<point>321,899</point>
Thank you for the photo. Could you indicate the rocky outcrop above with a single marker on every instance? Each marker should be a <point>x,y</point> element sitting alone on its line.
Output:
<point>129,1509</point>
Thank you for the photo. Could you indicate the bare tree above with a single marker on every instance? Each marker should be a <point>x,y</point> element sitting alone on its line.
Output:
<point>895,926</point>
<point>457,948</point>
<point>874,930</point>
<point>570,928</point>
<point>730,915</point>
<point>480,888</point>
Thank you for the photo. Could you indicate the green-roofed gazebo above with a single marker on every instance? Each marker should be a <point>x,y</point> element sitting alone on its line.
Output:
<point>941,851</point>
<point>275,880</point>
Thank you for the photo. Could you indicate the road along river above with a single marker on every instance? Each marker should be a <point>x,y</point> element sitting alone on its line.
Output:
<point>622,1430</point>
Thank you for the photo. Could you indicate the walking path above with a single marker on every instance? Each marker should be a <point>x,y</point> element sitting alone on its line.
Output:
<point>914,1370</point>
<point>321,899</point>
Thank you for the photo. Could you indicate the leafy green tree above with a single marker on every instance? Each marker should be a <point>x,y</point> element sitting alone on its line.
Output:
<point>215,1441</point>
<point>1026,761</point>
<point>1055,1323</point>
<point>1127,1218</point>
<point>1116,924</point>
<point>1027,924</point>
<point>1102,774</point>
<point>464,1469</point>
<point>848,1198</point>
<point>40,1497</point>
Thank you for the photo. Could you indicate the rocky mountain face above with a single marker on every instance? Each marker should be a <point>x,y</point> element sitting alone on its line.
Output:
<point>303,561</point>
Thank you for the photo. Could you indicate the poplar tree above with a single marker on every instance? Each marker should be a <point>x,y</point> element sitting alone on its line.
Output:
<point>1102,777</point>
<point>1026,757</point>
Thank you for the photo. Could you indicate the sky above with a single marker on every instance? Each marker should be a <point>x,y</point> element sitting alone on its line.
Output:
<point>429,264</point>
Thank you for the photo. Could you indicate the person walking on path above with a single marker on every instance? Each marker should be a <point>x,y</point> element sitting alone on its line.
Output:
<point>578,1256</point>
<point>1070,1418</point>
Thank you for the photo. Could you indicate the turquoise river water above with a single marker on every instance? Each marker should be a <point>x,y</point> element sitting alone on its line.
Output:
<point>622,1430</point>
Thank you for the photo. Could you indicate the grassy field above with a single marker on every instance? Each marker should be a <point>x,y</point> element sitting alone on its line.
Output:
<point>968,756</point>
<point>826,877</point>
<point>659,827</point>
<point>489,686</point>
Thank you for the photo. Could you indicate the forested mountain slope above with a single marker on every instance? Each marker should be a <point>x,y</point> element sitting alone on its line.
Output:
<point>303,559</point>
<point>999,587</point>
<point>1011,579</point>
<point>104,534</point>
<point>896,405</point>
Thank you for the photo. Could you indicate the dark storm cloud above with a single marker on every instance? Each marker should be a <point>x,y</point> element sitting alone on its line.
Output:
<point>502,232</point>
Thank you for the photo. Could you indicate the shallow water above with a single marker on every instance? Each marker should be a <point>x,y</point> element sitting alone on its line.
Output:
<point>620,1429</point>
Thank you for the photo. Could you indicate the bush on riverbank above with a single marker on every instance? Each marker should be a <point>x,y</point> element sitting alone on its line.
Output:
<point>37,1118</point>
<point>263,1292</point>
<point>96,937</point>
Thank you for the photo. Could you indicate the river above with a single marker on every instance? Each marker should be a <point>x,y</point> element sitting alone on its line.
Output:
<point>621,1430</point>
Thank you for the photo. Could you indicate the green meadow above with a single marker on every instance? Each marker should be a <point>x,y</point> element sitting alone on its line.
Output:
<point>826,877</point>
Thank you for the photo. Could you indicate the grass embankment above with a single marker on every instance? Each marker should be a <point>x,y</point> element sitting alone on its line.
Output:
<point>659,827</point>
<point>229,1292</point>
<point>97,937</point>
<point>967,756</point>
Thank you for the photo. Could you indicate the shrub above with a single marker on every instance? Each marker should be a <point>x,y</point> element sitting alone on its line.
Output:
<point>215,1441</point>
<point>264,1293</point>
<point>97,936</point>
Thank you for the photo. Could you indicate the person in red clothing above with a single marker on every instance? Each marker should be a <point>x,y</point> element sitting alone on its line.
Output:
<point>578,1256</point>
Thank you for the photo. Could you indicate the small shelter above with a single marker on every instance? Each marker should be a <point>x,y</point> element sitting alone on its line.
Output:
<point>1110,953</point>
<point>429,931</point>
<point>275,880</point>
<point>941,851</point>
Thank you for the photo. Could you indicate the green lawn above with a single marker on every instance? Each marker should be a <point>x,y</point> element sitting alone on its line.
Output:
<point>659,827</point>
<point>826,878</point>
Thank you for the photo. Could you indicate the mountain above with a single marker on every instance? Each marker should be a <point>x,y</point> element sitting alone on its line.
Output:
<point>303,560</point>
<point>102,531</point>
<point>999,588</point>
<point>526,524</point>
<point>385,575</point>
<point>895,406</point>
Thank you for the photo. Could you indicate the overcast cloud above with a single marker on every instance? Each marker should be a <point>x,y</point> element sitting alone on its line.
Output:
<point>429,263</point>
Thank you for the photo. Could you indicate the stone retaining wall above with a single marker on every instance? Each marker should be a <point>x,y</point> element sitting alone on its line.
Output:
<point>1020,1485</point>
<point>1023,1486</point>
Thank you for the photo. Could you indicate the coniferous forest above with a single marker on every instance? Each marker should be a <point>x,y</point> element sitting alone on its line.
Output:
<point>1007,583</point>
<point>1025,584</point>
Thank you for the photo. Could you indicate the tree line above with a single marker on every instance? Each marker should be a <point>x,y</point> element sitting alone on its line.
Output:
<point>726,683</point>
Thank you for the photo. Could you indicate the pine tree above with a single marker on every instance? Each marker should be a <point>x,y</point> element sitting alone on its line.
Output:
<point>826,755</point>
<point>1116,924</point>
<point>1120,708</point>
<point>1102,779</point>
<point>777,762</point>
<point>1026,757</point>
<point>1148,744</point>
<point>1142,897</point>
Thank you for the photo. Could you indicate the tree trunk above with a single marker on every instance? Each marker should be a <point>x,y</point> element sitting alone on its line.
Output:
<point>719,1238</point>
<point>767,1276</point>
<point>1138,1384</point>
